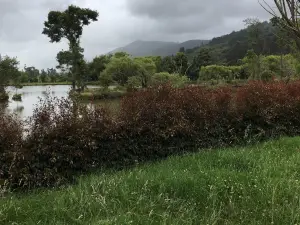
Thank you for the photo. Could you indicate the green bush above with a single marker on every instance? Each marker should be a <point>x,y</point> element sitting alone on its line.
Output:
<point>216,72</point>
<point>175,80</point>
<point>134,82</point>
<point>267,75</point>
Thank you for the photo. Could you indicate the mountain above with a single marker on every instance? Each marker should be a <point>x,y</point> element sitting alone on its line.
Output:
<point>229,48</point>
<point>157,48</point>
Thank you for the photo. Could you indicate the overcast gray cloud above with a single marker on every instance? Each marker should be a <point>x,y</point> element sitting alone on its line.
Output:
<point>120,22</point>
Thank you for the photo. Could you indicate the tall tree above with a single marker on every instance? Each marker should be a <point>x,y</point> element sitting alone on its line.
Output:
<point>43,76</point>
<point>69,24</point>
<point>255,34</point>
<point>33,73</point>
<point>203,58</point>
<point>168,65</point>
<point>181,63</point>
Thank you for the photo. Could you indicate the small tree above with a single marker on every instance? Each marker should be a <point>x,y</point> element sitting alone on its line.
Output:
<point>8,72</point>
<point>253,64</point>
<point>181,63</point>
<point>146,68</point>
<point>105,79</point>
<point>202,59</point>
<point>121,68</point>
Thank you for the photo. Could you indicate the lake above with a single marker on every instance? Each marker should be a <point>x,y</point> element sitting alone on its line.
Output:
<point>31,95</point>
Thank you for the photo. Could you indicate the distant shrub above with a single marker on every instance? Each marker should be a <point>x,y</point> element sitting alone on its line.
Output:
<point>134,83</point>
<point>175,80</point>
<point>216,72</point>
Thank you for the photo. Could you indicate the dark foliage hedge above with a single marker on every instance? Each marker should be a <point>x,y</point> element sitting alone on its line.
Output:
<point>65,138</point>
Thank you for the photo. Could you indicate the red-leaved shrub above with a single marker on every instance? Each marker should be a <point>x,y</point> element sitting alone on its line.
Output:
<point>61,142</point>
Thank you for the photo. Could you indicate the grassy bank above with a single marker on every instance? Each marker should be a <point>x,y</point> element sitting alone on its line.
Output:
<point>47,83</point>
<point>251,185</point>
<point>101,94</point>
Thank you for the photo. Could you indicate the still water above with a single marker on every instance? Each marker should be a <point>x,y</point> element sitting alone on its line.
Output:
<point>31,96</point>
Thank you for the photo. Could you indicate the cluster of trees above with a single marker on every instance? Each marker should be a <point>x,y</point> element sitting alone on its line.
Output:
<point>255,67</point>
<point>123,69</point>
<point>11,74</point>
<point>34,75</point>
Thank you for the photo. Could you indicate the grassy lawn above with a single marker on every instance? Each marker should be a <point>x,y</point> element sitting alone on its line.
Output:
<point>251,185</point>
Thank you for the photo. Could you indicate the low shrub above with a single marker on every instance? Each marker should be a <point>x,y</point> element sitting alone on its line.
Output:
<point>133,83</point>
<point>66,138</point>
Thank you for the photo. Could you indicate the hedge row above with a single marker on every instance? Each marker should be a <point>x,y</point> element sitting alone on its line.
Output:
<point>65,138</point>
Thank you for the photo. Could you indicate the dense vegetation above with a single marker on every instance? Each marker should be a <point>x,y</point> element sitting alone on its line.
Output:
<point>249,185</point>
<point>167,110</point>
<point>64,138</point>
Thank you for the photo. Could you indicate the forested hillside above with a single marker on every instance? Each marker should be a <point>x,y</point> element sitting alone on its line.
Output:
<point>158,48</point>
<point>229,48</point>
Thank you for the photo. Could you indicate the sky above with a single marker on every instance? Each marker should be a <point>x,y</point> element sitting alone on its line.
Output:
<point>120,22</point>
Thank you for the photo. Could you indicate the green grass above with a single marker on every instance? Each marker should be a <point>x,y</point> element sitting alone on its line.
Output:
<point>251,185</point>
